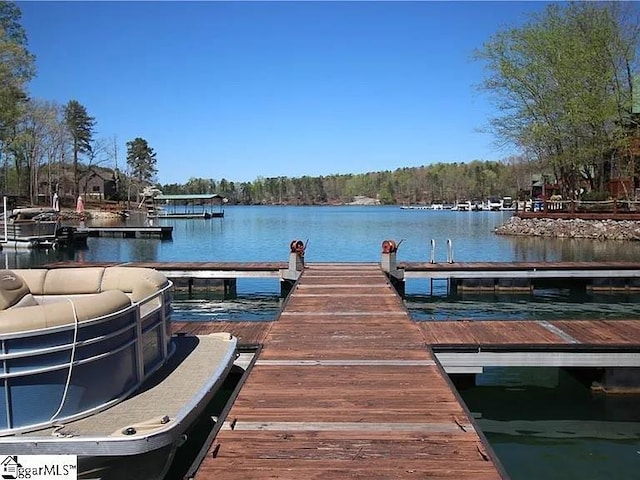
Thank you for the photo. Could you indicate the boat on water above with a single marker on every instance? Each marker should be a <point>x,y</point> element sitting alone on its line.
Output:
<point>463,206</point>
<point>90,369</point>
<point>415,207</point>
<point>508,204</point>
<point>433,206</point>
<point>185,206</point>
<point>35,227</point>
<point>494,204</point>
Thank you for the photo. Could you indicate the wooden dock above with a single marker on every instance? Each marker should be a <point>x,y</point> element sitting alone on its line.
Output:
<point>164,232</point>
<point>194,270</point>
<point>346,387</point>
<point>216,270</point>
<point>526,276</point>
<point>468,346</point>
<point>480,276</point>
<point>561,340</point>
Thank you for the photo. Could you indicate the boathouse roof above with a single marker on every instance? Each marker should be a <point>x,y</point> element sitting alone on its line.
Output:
<point>198,196</point>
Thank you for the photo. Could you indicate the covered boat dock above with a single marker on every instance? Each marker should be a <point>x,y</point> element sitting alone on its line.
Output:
<point>209,205</point>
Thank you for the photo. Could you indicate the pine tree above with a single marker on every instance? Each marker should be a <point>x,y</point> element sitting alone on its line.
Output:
<point>80,126</point>
<point>141,160</point>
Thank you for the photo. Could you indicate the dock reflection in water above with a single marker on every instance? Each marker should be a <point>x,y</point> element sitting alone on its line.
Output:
<point>544,423</point>
<point>549,305</point>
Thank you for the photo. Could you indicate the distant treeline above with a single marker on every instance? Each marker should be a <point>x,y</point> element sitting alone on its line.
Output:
<point>440,182</point>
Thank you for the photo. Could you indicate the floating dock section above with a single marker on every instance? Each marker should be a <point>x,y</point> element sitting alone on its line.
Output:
<point>522,276</point>
<point>164,232</point>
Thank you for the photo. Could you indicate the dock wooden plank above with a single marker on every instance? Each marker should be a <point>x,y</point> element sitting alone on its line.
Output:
<point>349,446</point>
<point>470,332</point>
<point>449,332</point>
<point>347,394</point>
<point>602,332</point>
<point>347,304</point>
<point>343,337</point>
<point>365,469</point>
<point>383,340</point>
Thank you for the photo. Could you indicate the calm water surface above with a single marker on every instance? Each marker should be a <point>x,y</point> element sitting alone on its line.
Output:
<point>340,234</point>
<point>541,422</point>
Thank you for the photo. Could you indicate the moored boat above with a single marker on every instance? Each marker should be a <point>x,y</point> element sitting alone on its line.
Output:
<point>90,369</point>
<point>494,204</point>
<point>462,206</point>
<point>35,227</point>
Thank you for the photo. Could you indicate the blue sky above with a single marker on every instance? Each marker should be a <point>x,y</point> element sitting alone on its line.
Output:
<point>239,90</point>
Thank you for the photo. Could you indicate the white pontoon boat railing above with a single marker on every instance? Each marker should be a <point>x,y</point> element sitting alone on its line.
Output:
<point>57,374</point>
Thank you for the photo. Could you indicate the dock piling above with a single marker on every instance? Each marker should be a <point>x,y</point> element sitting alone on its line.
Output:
<point>289,276</point>
<point>389,265</point>
<point>230,288</point>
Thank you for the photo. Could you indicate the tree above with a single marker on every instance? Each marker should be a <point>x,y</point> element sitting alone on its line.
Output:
<point>35,137</point>
<point>200,185</point>
<point>17,68</point>
<point>80,126</point>
<point>141,160</point>
<point>561,84</point>
<point>436,183</point>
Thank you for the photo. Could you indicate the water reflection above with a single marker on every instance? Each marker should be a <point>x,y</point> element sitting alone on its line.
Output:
<point>544,423</point>
<point>27,258</point>
<point>544,305</point>
<point>341,234</point>
<point>573,250</point>
<point>211,306</point>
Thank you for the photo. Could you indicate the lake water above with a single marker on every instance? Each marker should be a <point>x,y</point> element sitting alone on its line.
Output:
<point>340,234</point>
<point>541,422</point>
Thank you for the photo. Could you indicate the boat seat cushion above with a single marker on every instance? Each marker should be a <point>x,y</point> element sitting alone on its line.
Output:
<point>27,301</point>
<point>73,281</point>
<point>62,312</point>
<point>13,290</point>
<point>139,282</point>
<point>34,278</point>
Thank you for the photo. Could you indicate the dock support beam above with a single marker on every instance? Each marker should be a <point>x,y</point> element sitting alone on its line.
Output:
<point>230,288</point>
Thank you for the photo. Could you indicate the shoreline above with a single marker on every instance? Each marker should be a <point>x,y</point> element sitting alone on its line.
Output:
<point>626,230</point>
